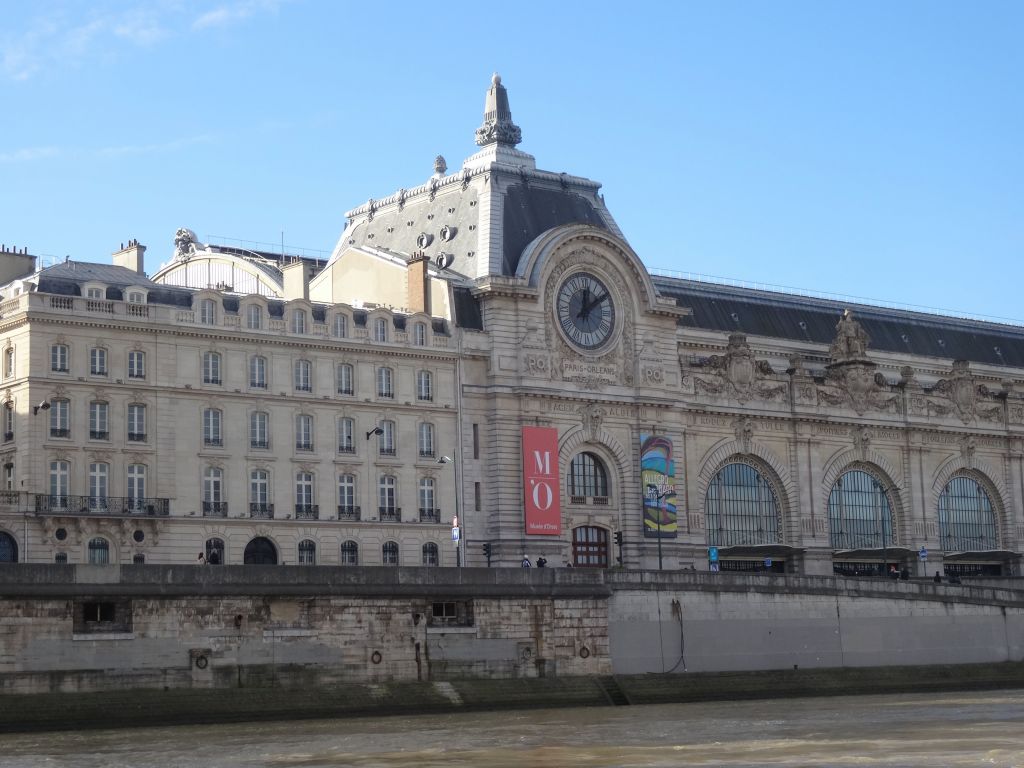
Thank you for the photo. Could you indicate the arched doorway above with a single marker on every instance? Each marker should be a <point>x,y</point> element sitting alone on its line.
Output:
<point>589,547</point>
<point>260,551</point>
<point>8,548</point>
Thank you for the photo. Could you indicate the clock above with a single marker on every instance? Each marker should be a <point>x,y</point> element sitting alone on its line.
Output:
<point>585,310</point>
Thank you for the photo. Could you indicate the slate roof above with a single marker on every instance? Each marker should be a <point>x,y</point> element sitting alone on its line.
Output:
<point>804,319</point>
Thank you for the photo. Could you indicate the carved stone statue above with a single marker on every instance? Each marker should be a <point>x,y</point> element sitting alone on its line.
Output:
<point>440,165</point>
<point>851,342</point>
<point>186,244</point>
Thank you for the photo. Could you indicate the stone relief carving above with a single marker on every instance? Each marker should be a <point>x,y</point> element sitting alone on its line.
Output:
<point>739,375</point>
<point>961,394</point>
<point>186,244</point>
<point>851,379</point>
<point>968,447</point>
<point>862,442</point>
<point>592,416</point>
<point>744,430</point>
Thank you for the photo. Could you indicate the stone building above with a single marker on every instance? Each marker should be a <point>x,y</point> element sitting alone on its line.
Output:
<point>486,344</point>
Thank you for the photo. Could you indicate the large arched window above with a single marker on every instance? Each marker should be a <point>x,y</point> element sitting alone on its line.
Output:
<point>967,519</point>
<point>350,553</point>
<point>99,551</point>
<point>8,548</point>
<point>260,551</point>
<point>431,554</point>
<point>389,553</point>
<point>215,551</point>
<point>741,508</point>
<point>860,513</point>
<point>587,476</point>
<point>307,552</point>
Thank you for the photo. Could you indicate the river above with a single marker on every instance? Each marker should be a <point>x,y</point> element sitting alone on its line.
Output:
<point>944,729</point>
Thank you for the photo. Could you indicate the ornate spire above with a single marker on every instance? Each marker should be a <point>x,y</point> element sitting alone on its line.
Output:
<point>498,127</point>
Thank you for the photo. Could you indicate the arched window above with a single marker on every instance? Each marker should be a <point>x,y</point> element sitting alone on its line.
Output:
<point>258,372</point>
<point>307,552</point>
<point>741,508</point>
<point>212,421</point>
<point>424,385</point>
<point>254,316</point>
<point>345,380</point>
<point>138,559</point>
<point>385,382</point>
<point>211,368</point>
<point>430,554</point>
<point>298,321</point>
<point>587,476</point>
<point>967,519</point>
<point>99,551</point>
<point>419,334</point>
<point>380,329</point>
<point>349,553</point>
<point>8,548</point>
<point>207,312</point>
<point>860,514</point>
<point>426,440</point>
<point>340,325</point>
<point>136,422</point>
<point>390,552</point>
<point>303,376</point>
<point>260,551</point>
<point>215,551</point>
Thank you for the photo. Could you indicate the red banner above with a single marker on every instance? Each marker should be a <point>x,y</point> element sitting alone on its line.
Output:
<point>540,481</point>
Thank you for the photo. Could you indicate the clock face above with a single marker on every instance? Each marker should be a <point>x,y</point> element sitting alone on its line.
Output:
<point>585,310</point>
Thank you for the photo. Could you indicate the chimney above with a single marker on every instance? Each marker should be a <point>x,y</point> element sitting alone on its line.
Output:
<point>419,283</point>
<point>15,264</point>
<point>296,279</point>
<point>132,257</point>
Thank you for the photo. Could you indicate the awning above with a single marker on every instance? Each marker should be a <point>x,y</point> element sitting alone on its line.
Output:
<point>758,552</point>
<point>980,556</point>
<point>874,553</point>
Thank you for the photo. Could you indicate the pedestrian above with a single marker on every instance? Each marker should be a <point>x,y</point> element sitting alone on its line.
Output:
<point>541,561</point>
<point>201,560</point>
<point>937,578</point>
<point>214,558</point>
<point>893,573</point>
<point>526,562</point>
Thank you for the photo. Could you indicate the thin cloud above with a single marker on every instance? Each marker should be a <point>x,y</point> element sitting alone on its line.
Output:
<point>233,13</point>
<point>150,149</point>
<point>28,154</point>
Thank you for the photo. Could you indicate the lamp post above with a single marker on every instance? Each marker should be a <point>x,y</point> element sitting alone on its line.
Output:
<point>654,495</point>
<point>458,542</point>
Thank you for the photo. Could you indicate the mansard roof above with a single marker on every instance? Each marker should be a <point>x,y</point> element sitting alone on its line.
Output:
<point>805,319</point>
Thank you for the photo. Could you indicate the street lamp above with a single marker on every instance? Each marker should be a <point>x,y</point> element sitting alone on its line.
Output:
<point>375,431</point>
<point>458,542</point>
<point>654,496</point>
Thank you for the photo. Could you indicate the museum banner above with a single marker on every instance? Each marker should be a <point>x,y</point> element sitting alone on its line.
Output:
<point>658,484</point>
<point>540,481</point>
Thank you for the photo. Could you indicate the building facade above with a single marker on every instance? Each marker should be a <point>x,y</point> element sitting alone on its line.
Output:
<point>486,345</point>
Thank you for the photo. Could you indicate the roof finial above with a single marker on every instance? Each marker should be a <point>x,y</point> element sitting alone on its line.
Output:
<point>498,127</point>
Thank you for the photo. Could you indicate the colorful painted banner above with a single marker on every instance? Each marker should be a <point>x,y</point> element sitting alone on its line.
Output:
<point>542,511</point>
<point>658,484</point>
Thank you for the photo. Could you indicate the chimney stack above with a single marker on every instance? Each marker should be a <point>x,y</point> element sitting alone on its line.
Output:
<point>296,279</point>
<point>418,283</point>
<point>132,257</point>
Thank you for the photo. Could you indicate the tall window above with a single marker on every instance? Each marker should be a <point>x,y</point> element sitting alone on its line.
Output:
<point>587,476</point>
<point>136,423</point>
<point>346,494</point>
<point>136,364</point>
<point>298,321</point>
<point>60,472</point>
<point>424,385</point>
<point>136,486</point>
<point>258,372</point>
<point>99,551</point>
<point>254,316</point>
<point>387,498</point>
<point>213,491</point>
<point>303,490</point>
<point>426,497</point>
<point>386,439</point>
<point>303,382</point>
<point>340,325</point>
<point>207,312</point>
<point>385,382</point>
<point>59,358</point>
<point>8,421</point>
<point>859,513</point>
<point>430,554</point>
<point>9,476</point>
<point>350,553</point>
<point>741,508</point>
<point>967,519</point>
<point>419,334</point>
<point>345,379</point>
<point>99,425</point>
<point>590,547</point>
<point>380,329</point>
<point>304,432</point>
<point>212,421</point>
<point>215,551</point>
<point>259,493</point>
<point>389,553</point>
<point>259,429</point>
<point>307,552</point>
<point>60,418</point>
<point>346,435</point>
<point>99,473</point>
<point>8,362</point>
<point>211,368</point>
<point>98,361</point>
<point>426,440</point>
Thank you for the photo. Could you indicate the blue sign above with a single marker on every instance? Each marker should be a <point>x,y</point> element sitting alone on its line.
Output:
<point>714,568</point>
<point>923,554</point>
<point>713,555</point>
<point>455,534</point>
<point>767,562</point>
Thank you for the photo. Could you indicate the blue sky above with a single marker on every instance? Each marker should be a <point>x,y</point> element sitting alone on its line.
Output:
<point>869,149</point>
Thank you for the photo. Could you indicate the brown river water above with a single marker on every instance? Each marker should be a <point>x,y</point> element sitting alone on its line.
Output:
<point>934,730</point>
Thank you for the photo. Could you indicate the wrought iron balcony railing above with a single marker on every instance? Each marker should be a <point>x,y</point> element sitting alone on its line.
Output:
<point>348,513</point>
<point>136,437</point>
<point>101,505</point>
<point>389,514</point>
<point>99,434</point>
<point>346,448</point>
<point>307,511</point>
<point>430,515</point>
<point>215,509</point>
<point>261,510</point>
<point>54,432</point>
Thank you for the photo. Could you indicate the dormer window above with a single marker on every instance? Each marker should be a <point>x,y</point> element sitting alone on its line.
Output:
<point>380,329</point>
<point>207,312</point>
<point>136,297</point>
<point>95,293</point>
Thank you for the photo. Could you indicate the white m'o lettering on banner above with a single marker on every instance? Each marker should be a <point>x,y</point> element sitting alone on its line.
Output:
<point>542,495</point>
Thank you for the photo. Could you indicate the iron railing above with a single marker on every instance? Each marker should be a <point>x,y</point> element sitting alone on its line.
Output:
<point>389,514</point>
<point>348,513</point>
<point>430,515</point>
<point>307,511</point>
<point>215,509</point>
<point>101,505</point>
<point>261,511</point>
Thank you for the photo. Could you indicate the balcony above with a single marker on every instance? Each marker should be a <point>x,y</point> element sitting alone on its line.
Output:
<point>389,514</point>
<point>136,375</point>
<point>302,445</point>
<point>211,380</point>
<point>101,505</point>
<point>430,515</point>
<point>427,453</point>
<point>388,451</point>
<point>345,391</point>
<point>307,511</point>
<point>303,388</point>
<point>213,442</point>
<point>98,434</point>
<point>60,432</point>
<point>348,513</point>
<point>346,448</point>
<point>261,444</point>
<point>215,509</point>
<point>261,511</point>
<point>136,437</point>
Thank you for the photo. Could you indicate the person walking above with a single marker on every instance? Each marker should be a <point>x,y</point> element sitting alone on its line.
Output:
<point>526,562</point>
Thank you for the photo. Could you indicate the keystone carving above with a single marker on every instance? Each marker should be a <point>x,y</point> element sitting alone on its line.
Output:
<point>962,394</point>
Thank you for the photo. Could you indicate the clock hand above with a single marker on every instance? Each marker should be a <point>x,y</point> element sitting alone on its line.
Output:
<point>584,310</point>
<point>593,303</point>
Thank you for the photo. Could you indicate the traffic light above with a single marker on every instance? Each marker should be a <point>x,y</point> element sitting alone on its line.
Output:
<point>487,550</point>
<point>618,538</point>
